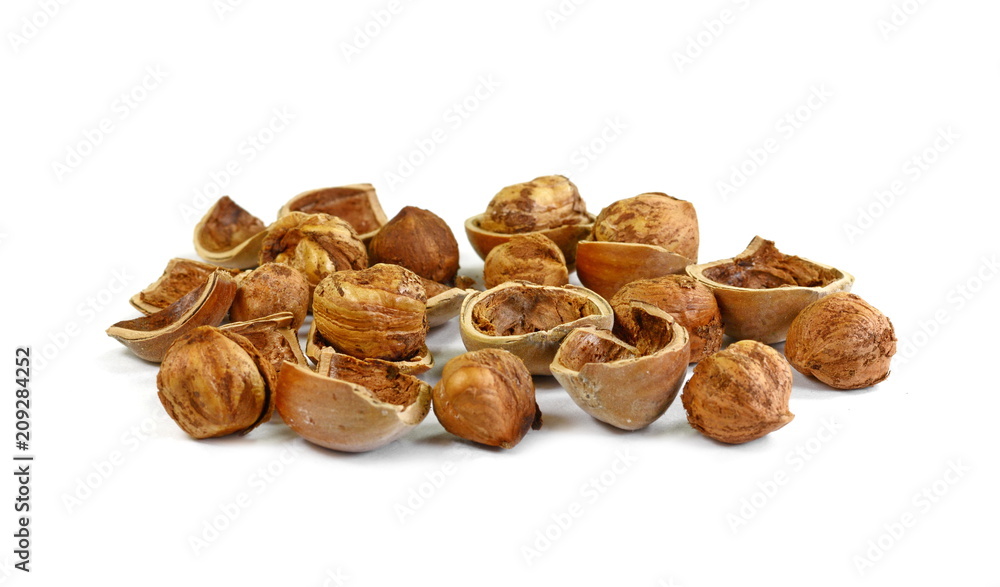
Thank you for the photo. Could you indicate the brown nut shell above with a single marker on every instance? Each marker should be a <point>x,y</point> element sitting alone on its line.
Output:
<point>445,302</point>
<point>543,203</point>
<point>357,204</point>
<point>349,404</point>
<point>530,320</point>
<point>377,313</point>
<point>843,341</point>
<point>690,303</point>
<point>760,291</point>
<point>422,362</point>
<point>149,337</point>
<point>315,244</point>
<point>179,277</point>
<point>273,337</point>
<point>739,394</point>
<point>419,240</point>
<point>606,267</point>
<point>531,257</point>
<point>566,237</point>
<point>651,219</point>
<point>229,236</point>
<point>487,397</point>
<point>627,386</point>
<point>270,289</point>
<point>215,383</point>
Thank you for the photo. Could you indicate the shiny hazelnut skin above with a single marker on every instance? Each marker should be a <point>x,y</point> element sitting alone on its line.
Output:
<point>534,258</point>
<point>542,203</point>
<point>487,397</point>
<point>739,394</point>
<point>270,289</point>
<point>651,219</point>
<point>419,240</point>
<point>843,341</point>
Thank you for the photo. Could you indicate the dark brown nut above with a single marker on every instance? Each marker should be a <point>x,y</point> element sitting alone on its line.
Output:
<point>739,394</point>
<point>375,313</point>
<point>526,257</point>
<point>270,289</point>
<point>542,203</point>
<point>625,385</point>
<point>315,244</point>
<point>229,236</point>
<point>420,241</point>
<point>214,383</point>
<point>356,203</point>
<point>149,337</point>
<point>180,277</point>
<point>349,404</point>
<point>843,341</point>
<point>488,397</point>
<point>761,290</point>
<point>530,320</point>
<point>691,304</point>
<point>273,337</point>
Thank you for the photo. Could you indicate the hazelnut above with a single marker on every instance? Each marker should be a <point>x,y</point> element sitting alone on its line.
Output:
<point>526,257</point>
<point>377,313</point>
<point>691,304</point>
<point>214,383</point>
<point>420,241</point>
<point>544,202</point>
<point>315,244</point>
<point>488,397</point>
<point>228,235</point>
<point>269,289</point>
<point>739,394</point>
<point>651,219</point>
<point>842,341</point>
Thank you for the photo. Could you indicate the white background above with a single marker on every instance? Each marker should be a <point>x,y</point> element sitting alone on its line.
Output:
<point>607,79</point>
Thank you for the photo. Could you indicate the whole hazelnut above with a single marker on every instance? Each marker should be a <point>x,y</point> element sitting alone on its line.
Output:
<point>315,244</point>
<point>488,397</point>
<point>842,341</point>
<point>739,394</point>
<point>534,258</point>
<point>374,313</point>
<point>420,241</point>
<point>651,219</point>
<point>270,289</point>
<point>214,383</point>
<point>691,304</point>
<point>544,202</point>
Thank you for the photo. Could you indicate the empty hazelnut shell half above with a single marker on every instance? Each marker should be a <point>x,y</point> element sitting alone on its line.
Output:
<point>349,404</point>
<point>179,277</point>
<point>149,337</point>
<point>229,236</point>
<point>625,385</point>
<point>445,302</point>
<point>357,204</point>
<point>530,320</point>
<point>843,341</point>
<point>761,290</point>
<point>273,337</point>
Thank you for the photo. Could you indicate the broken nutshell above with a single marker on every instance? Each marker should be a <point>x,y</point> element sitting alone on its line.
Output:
<point>229,236</point>
<point>314,244</point>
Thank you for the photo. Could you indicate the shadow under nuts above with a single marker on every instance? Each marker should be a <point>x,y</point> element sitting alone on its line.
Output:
<point>488,397</point>
<point>739,394</point>
<point>843,341</point>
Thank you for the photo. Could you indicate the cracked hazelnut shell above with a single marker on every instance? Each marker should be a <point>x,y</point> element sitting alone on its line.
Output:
<point>273,337</point>
<point>357,204</point>
<point>739,394</point>
<point>419,240</point>
<point>315,244</point>
<point>843,341</point>
<point>179,277</point>
<point>229,236</point>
